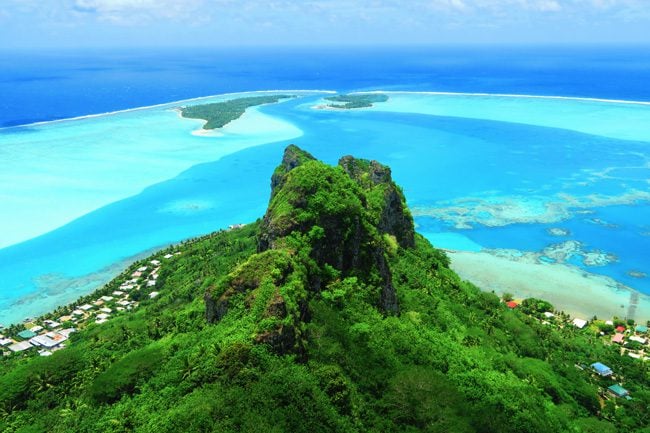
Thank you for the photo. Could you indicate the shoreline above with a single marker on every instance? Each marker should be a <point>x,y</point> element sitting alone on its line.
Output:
<point>232,141</point>
<point>568,288</point>
<point>507,95</point>
<point>171,104</point>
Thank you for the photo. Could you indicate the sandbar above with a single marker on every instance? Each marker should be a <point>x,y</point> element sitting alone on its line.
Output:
<point>568,288</point>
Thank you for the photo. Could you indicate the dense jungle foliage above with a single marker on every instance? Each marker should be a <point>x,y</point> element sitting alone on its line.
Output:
<point>328,315</point>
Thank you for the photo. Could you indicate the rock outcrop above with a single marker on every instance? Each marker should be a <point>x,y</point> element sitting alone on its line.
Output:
<point>323,224</point>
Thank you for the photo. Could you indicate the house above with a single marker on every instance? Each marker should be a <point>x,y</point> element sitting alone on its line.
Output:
<point>618,391</point>
<point>102,316</point>
<point>153,295</point>
<point>638,339</point>
<point>45,341</point>
<point>155,262</point>
<point>19,347</point>
<point>118,293</point>
<point>26,334</point>
<point>52,324</point>
<point>151,283</point>
<point>512,304</point>
<point>617,338</point>
<point>36,329</point>
<point>106,298</point>
<point>66,332</point>
<point>579,323</point>
<point>86,307</point>
<point>142,268</point>
<point>548,314</point>
<point>620,328</point>
<point>169,256</point>
<point>641,329</point>
<point>602,369</point>
<point>106,310</point>
<point>6,341</point>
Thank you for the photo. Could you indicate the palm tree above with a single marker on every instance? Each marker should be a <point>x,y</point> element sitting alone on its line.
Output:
<point>189,366</point>
<point>42,382</point>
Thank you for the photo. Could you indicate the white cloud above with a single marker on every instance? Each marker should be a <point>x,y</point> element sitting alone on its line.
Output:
<point>127,12</point>
<point>548,6</point>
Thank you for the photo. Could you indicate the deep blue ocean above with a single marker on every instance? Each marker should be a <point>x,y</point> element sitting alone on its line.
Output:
<point>46,85</point>
<point>440,160</point>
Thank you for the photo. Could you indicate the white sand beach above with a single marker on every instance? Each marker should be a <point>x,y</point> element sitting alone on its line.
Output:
<point>568,288</point>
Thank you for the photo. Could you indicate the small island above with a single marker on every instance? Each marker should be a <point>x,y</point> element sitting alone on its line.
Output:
<point>356,100</point>
<point>219,114</point>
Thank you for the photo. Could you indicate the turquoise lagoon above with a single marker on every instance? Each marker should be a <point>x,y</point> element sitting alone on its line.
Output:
<point>558,183</point>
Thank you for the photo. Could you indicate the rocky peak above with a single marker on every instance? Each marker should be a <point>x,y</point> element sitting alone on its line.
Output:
<point>394,217</point>
<point>323,224</point>
<point>292,158</point>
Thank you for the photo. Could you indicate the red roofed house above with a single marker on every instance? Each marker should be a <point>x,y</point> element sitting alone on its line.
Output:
<point>512,304</point>
<point>617,338</point>
<point>620,328</point>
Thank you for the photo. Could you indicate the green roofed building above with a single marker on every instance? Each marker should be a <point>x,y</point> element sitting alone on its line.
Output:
<point>642,329</point>
<point>26,334</point>
<point>618,391</point>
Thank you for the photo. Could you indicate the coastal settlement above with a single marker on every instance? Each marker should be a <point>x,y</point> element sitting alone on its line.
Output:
<point>51,332</point>
<point>139,283</point>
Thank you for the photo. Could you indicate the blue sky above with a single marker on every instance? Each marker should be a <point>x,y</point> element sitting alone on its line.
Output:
<point>96,23</point>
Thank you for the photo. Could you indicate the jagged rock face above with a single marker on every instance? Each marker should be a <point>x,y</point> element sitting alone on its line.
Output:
<point>351,208</point>
<point>395,219</point>
<point>320,218</point>
<point>292,158</point>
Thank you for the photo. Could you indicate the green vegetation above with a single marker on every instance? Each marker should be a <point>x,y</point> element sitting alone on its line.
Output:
<point>329,314</point>
<point>219,114</point>
<point>356,100</point>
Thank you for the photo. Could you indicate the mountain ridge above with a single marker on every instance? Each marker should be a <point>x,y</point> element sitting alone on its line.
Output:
<point>329,314</point>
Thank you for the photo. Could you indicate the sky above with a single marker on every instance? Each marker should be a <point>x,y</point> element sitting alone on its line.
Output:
<point>206,23</point>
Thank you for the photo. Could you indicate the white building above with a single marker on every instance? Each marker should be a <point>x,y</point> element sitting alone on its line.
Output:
<point>579,323</point>
<point>19,347</point>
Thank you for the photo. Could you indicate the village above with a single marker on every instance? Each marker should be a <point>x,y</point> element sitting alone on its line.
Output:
<point>631,337</point>
<point>47,335</point>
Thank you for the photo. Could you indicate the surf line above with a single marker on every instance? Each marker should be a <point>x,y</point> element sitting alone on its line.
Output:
<point>506,95</point>
<point>169,105</point>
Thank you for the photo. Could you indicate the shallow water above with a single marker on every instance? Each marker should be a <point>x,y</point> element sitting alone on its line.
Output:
<point>479,172</point>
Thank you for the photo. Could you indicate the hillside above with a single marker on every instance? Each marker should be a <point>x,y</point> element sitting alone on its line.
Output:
<point>328,314</point>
